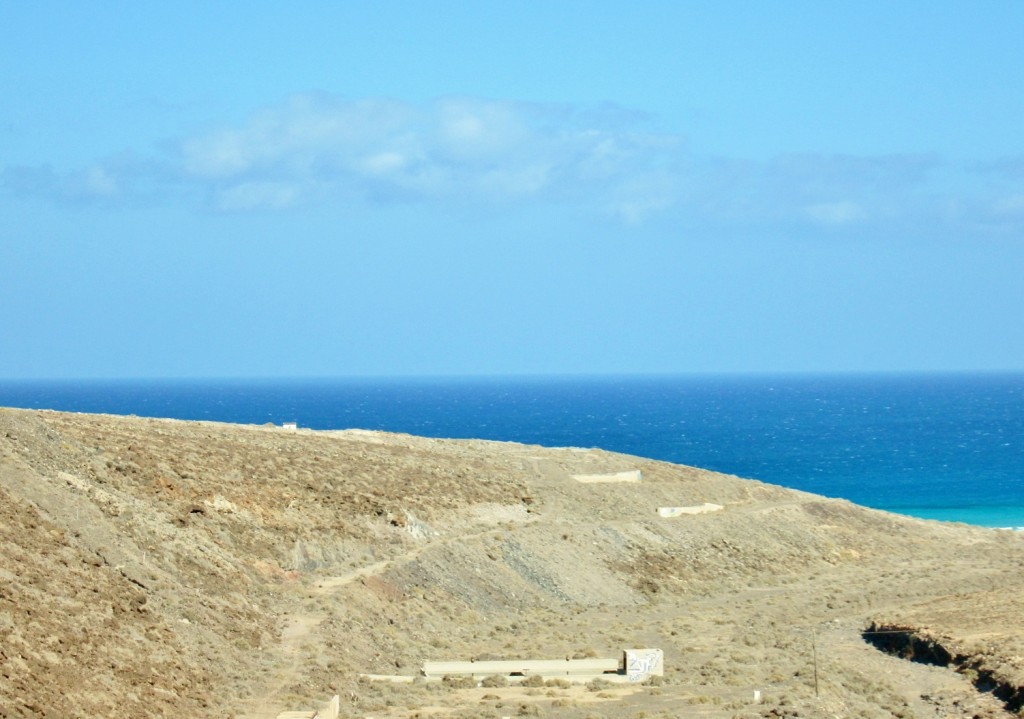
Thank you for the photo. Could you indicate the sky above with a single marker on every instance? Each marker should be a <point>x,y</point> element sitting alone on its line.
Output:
<point>326,189</point>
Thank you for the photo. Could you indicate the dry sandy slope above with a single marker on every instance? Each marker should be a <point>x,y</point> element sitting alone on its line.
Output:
<point>157,568</point>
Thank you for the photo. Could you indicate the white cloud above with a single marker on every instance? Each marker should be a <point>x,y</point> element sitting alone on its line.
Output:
<point>469,131</point>
<point>383,163</point>
<point>522,181</point>
<point>99,182</point>
<point>458,149</point>
<point>644,196</point>
<point>257,196</point>
<point>305,134</point>
<point>1012,205</point>
<point>320,148</point>
<point>95,183</point>
<point>835,213</point>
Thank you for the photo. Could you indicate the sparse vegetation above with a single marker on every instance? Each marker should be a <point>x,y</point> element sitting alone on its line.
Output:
<point>558,683</point>
<point>493,681</point>
<point>459,681</point>
<point>201,569</point>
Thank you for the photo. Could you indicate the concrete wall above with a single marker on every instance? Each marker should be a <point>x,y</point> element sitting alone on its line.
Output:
<point>523,667</point>
<point>327,711</point>
<point>634,664</point>
<point>695,509</point>
<point>631,476</point>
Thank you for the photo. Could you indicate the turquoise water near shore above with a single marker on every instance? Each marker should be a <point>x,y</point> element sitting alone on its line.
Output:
<point>947,447</point>
<point>1000,517</point>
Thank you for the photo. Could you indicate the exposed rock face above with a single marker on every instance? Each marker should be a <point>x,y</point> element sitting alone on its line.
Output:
<point>159,568</point>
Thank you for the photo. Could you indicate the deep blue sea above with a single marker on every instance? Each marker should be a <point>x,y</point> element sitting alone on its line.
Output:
<point>947,447</point>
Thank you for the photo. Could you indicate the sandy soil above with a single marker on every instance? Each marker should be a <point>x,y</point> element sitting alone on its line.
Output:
<point>162,568</point>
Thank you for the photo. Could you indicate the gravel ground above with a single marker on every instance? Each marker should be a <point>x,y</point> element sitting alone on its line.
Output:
<point>157,568</point>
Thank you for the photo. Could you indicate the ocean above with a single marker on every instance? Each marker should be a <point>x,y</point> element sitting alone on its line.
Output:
<point>947,447</point>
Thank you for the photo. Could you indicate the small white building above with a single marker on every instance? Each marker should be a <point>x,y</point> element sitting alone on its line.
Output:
<point>290,426</point>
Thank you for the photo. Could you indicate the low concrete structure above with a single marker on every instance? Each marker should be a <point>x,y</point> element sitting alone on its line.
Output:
<point>695,509</point>
<point>523,668</point>
<point>630,476</point>
<point>643,663</point>
<point>327,711</point>
<point>634,665</point>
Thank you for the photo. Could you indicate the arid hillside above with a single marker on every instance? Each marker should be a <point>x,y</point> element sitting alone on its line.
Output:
<point>153,568</point>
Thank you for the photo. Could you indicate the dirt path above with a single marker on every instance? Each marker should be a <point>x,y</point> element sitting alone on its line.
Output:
<point>301,625</point>
<point>329,585</point>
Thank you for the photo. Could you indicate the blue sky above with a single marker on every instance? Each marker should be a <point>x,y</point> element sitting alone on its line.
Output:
<point>385,188</point>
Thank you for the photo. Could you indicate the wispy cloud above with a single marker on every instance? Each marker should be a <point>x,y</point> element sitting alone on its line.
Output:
<point>318,149</point>
<point>836,213</point>
<point>112,181</point>
<point>1006,167</point>
<point>96,182</point>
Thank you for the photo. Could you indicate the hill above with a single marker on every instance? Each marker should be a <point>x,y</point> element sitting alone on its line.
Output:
<point>165,568</point>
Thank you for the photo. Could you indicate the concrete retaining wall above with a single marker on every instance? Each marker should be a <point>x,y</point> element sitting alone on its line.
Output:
<point>522,667</point>
<point>630,476</point>
<point>695,509</point>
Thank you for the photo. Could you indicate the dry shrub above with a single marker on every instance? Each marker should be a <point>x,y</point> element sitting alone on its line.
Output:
<point>705,699</point>
<point>494,681</point>
<point>458,682</point>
